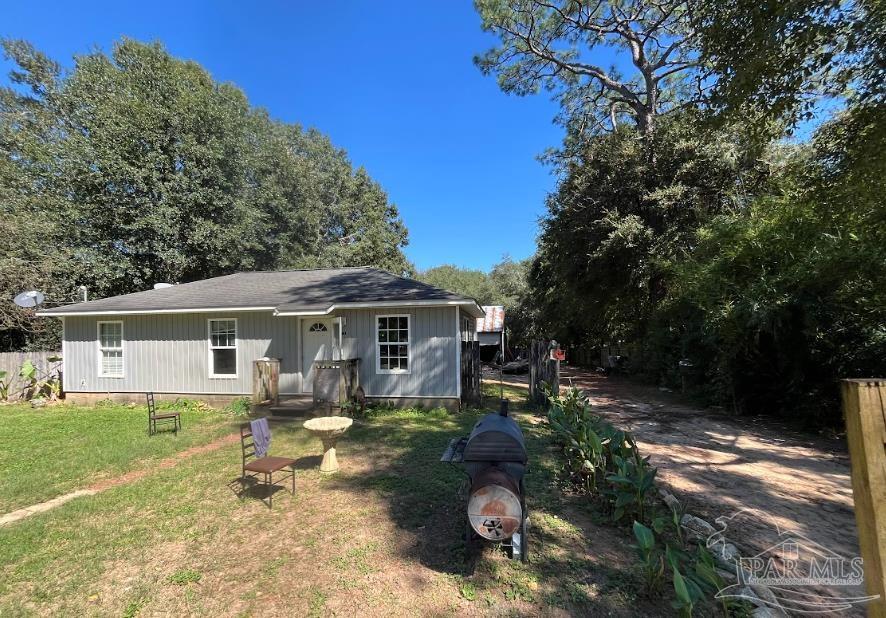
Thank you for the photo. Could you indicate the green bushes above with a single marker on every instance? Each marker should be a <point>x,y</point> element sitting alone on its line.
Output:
<point>240,407</point>
<point>602,460</point>
<point>34,383</point>
<point>605,463</point>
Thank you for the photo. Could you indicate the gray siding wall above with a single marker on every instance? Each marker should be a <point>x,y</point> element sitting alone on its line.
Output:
<point>434,346</point>
<point>169,353</point>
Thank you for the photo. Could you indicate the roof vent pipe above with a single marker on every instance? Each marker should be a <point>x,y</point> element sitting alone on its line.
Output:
<point>504,407</point>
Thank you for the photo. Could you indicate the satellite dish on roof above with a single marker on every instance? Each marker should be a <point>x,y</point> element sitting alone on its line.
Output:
<point>160,286</point>
<point>29,299</point>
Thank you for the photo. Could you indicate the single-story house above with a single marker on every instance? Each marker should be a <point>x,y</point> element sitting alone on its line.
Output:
<point>199,340</point>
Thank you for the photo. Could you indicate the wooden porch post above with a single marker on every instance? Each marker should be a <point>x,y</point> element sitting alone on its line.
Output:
<point>266,381</point>
<point>863,406</point>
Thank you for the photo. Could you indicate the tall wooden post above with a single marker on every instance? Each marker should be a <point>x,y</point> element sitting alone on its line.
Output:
<point>542,369</point>
<point>863,406</point>
<point>266,381</point>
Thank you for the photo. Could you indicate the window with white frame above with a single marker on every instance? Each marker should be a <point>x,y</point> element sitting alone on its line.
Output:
<point>110,349</point>
<point>392,343</point>
<point>223,348</point>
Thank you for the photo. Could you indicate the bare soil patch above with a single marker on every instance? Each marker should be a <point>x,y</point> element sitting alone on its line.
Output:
<point>717,465</point>
<point>163,464</point>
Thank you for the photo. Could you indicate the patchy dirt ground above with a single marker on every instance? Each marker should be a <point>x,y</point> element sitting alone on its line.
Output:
<point>717,465</point>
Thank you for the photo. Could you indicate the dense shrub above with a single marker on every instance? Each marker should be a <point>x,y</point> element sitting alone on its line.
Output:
<point>602,460</point>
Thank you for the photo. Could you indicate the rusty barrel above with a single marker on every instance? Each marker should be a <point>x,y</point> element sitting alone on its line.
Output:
<point>494,505</point>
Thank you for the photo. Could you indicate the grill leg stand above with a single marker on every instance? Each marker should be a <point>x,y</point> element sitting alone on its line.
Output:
<point>469,538</point>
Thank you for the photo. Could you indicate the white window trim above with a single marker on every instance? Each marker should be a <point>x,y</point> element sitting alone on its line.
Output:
<point>378,344</point>
<point>122,349</point>
<point>235,347</point>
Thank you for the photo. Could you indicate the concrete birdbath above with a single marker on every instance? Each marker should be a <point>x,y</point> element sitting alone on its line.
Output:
<point>329,429</point>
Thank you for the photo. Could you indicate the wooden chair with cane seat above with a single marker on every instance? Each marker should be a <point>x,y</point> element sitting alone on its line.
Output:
<point>265,466</point>
<point>164,418</point>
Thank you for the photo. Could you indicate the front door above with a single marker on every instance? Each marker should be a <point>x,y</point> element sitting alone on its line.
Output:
<point>316,344</point>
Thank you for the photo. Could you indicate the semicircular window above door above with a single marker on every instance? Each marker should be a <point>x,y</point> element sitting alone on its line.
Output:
<point>318,327</point>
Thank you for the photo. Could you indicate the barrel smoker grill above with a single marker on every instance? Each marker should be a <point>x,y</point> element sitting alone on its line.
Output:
<point>495,461</point>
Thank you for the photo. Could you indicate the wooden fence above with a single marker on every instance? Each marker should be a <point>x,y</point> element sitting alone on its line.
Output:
<point>11,363</point>
<point>470,373</point>
<point>864,405</point>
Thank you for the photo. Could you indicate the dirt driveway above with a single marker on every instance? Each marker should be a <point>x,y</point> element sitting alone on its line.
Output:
<point>717,465</point>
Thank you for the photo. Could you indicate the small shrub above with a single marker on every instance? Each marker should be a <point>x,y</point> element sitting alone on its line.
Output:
<point>353,409</point>
<point>240,407</point>
<point>468,591</point>
<point>652,561</point>
<point>4,386</point>
<point>189,405</point>
<point>37,383</point>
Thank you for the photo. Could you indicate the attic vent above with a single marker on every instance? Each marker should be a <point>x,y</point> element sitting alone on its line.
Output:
<point>318,327</point>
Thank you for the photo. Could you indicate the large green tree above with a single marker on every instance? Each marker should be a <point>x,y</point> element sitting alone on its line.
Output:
<point>136,167</point>
<point>505,284</point>
<point>466,281</point>
<point>556,45</point>
<point>779,59</point>
<point>619,220</point>
<point>781,300</point>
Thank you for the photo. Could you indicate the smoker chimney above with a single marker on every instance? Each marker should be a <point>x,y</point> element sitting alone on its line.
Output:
<point>504,407</point>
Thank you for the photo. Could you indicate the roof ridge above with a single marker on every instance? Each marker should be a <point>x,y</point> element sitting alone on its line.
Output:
<point>300,270</point>
<point>321,286</point>
<point>427,285</point>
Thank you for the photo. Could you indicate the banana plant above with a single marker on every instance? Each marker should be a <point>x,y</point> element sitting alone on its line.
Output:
<point>4,386</point>
<point>687,588</point>
<point>28,373</point>
<point>651,560</point>
<point>631,483</point>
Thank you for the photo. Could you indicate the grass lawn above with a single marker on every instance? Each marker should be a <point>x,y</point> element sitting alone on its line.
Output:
<point>381,537</point>
<point>51,451</point>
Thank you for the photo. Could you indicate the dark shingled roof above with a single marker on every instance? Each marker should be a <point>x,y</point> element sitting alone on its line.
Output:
<point>298,291</point>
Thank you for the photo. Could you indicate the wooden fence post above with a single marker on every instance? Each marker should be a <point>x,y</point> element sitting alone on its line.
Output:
<point>471,369</point>
<point>554,375</point>
<point>266,380</point>
<point>863,406</point>
<point>542,370</point>
<point>537,370</point>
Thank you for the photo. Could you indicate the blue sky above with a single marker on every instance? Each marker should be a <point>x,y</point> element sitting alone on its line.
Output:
<point>391,82</point>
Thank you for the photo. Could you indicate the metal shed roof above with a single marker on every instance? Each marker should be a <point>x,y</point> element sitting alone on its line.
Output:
<point>287,292</point>
<point>493,320</point>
